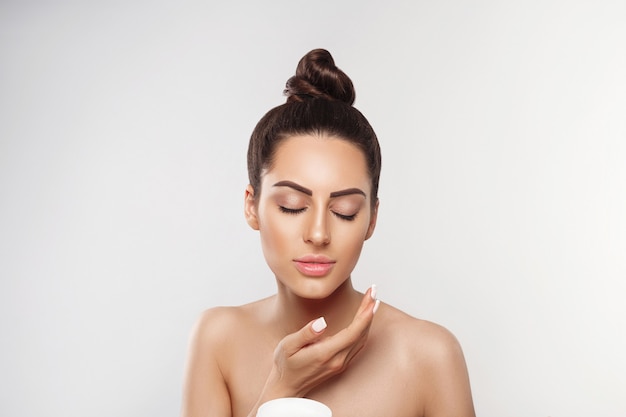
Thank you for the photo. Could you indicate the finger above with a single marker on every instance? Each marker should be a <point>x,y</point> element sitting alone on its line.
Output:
<point>367,309</point>
<point>344,340</point>
<point>368,301</point>
<point>351,337</point>
<point>303,337</point>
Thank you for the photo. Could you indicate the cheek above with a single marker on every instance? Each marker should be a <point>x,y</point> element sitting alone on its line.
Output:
<point>351,251</point>
<point>276,234</point>
<point>352,236</point>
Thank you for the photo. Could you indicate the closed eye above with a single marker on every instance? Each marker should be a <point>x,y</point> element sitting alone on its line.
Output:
<point>290,210</point>
<point>345,217</point>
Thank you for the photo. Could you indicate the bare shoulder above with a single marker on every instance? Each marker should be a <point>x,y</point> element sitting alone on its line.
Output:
<point>217,320</point>
<point>434,354</point>
<point>421,336</point>
<point>218,323</point>
<point>212,356</point>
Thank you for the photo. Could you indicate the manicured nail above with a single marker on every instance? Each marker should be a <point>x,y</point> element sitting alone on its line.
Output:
<point>376,304</point>
<point>319,325</point>
<point>373,292</point>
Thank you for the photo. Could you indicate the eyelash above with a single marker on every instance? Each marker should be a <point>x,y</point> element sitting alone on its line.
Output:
<point>344,217</point>
<point>291,211</point>
<point>301,210</point>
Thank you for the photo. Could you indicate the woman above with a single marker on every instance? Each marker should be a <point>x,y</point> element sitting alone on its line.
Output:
<point>313,165</point>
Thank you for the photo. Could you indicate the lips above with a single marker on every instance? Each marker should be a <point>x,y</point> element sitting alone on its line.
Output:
<point>314,265</point>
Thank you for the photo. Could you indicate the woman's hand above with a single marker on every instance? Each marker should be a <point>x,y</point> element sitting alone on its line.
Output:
<point>303,360</point>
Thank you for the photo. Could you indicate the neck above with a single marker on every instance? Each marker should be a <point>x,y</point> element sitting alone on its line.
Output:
<point>339,308</point>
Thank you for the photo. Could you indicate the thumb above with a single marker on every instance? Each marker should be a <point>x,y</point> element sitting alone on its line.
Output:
<point>317,326</point>
<point>305,336</point>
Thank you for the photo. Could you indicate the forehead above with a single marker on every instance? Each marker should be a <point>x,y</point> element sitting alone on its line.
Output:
<point>324,162</point>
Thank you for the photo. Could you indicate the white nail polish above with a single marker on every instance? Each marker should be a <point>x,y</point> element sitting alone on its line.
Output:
<point>373,292</point>
<point>376,305</point>
<point>319,325</point>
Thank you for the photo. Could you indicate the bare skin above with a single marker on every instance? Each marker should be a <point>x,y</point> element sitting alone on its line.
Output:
<point>371,360</point>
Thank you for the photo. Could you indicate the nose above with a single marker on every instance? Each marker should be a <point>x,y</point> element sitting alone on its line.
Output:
<point>318,232</point>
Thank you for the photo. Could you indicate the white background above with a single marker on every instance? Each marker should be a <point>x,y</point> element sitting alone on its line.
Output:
<point>123,132</point>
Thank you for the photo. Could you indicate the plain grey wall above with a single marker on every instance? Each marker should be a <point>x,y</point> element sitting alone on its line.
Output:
<point>123,131</point>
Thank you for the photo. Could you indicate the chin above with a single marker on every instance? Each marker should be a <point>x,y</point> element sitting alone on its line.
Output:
<point>314,288</point>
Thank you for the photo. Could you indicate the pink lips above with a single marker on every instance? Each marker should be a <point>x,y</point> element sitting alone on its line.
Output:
<point>314,265</point>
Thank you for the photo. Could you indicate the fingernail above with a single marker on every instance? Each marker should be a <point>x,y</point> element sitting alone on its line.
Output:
<point>319,325</point>
<point>373,292</point>
<point>376,304</point>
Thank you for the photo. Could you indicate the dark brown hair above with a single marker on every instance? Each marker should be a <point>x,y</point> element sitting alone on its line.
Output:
<point>319,101</point>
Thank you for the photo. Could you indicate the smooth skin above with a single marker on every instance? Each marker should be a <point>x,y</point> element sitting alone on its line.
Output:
<point>371,360</point>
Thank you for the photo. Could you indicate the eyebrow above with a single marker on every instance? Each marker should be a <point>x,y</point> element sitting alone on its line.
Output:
<point>295,186</point>
<point>347,191</point>
<point>298,187</point>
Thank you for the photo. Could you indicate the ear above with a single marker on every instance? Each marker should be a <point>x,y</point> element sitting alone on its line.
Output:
<point>373,218</point>
<point>249,208</point>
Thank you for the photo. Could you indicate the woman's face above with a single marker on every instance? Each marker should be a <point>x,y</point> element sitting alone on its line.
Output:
<point>313,214</point>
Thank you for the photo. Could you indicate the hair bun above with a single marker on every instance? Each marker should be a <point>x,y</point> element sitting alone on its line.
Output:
<point>318,77</point>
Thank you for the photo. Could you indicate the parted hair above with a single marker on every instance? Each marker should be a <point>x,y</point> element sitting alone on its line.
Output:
<point>319,102</point>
